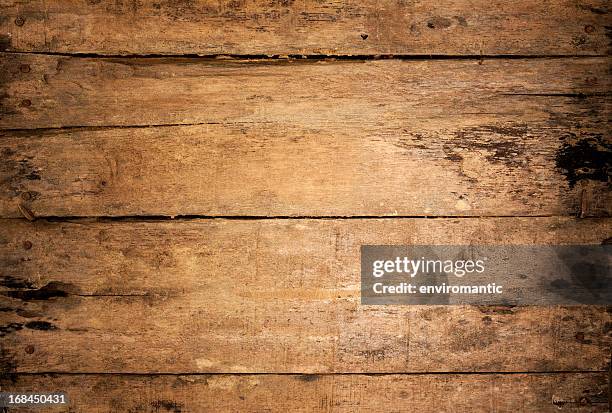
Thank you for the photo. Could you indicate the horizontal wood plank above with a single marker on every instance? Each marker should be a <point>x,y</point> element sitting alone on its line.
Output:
<point>307,27</point>
<point>362,139</point>
<point>324,393</point>
<point>42,91</point>
<point>269,296</point>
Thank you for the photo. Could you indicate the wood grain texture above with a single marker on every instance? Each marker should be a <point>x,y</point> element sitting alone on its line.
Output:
<point>326,393</point>
<point>511,137</point>
<point>446,27</point>
<point>269,296</point>
<point>42,91</point>
<point>493,168</point>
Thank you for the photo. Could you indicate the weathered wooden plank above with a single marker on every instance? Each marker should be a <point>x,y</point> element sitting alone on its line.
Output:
<point>484,166</point>
<point>55,91</point>
<point>339,393</point>
<point>373,138</point>
<point>307,27</point>
<point>269,296</point>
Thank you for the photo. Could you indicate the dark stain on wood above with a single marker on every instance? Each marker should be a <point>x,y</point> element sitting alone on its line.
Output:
<point>585,158</point>
<point>9,281</point>
<point>503,144</point>
<point>10,328</point>
<point>8,366</point>
<point>308,377</point>
<point>497,309</point>
<point>51,290</point>
<point>5,42</point>
<point>40,325</point>
<point>167,405</point>
<point>439,23</point>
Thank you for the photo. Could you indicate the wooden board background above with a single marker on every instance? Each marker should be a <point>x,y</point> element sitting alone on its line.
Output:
<point>307,27</point>
<point>184,187</point>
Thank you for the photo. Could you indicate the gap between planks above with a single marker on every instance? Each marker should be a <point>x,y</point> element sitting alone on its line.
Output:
<point>306,57</point>
<point>378,374</point>
<point>155,218</point>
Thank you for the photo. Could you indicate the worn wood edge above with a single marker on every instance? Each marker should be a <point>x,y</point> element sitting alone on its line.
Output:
<point>547,392</point>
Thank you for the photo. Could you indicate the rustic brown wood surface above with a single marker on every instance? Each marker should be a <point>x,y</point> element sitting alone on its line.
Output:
<point>497,112</point>
<point>510,137</point>
<point>42,91</point>
<point>270,296</point>
<point>307,27</point>
<point>327,393</point>
<point>492,168</point>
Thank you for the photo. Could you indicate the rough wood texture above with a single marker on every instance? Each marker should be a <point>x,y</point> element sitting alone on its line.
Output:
<point>492,169</point>
<point>269,296</point>
<point>338,393</point>
<point>511,137</point>
<point>43,91</point>
<point>307,27</point>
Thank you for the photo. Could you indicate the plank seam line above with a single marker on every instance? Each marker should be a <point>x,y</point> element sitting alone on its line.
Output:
<point>25,131</point>
<point>563,95</point>
<point>440,373</point>
<point>312,57</point>
<point>178,218</point>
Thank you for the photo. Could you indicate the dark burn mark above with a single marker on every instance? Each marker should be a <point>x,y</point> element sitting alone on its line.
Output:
<point>5,42</point>
<point>308,377</point>
<point>167,405</point>
<point>592,9</point>
<point>40,325</point>
<point>14,282</point>
<point>10,328</point>
<point>17,171</point>
<point>439,23</point>
<point>7,365</point>
<point>51,290</point>
<point>584,158</point>
<point>580,338</point>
